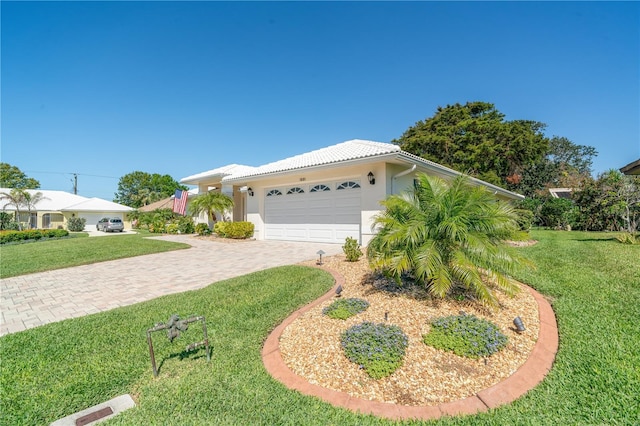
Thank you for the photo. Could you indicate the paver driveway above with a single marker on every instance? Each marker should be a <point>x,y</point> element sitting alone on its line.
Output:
<point>31,300</point>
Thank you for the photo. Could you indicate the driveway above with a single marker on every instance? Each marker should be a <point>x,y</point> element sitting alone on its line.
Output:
<point>31,300</point>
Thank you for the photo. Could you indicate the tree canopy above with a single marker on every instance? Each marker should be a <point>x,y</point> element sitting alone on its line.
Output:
<point>13,177</point>
<point>476,139</point>
<point>137,189</point>
<point>566,165</point>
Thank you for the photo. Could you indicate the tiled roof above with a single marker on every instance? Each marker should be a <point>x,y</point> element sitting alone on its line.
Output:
<point>345,151</point>
<point>65,201</point>
<point>218,172</point>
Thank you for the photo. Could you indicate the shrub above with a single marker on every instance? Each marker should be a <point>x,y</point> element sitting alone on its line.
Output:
<point>237,230</point>
<point>76,224</point>
<point>627,238</point>
<point>352,249</point>
<point>185,225</point>
<point>7,222</point>
<point>378,348</point>
<point>465,335</point>
<point>171,228</point>
<point>524,219</point>
<point>203,229</point>
<point>31,235</point>
<point>345,308</point>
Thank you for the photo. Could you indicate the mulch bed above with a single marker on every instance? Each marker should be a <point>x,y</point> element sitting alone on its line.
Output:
<point>310,346</point>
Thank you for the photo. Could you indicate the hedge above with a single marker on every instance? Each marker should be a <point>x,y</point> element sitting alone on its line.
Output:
<point>237,230</point>
<point>31,234</point>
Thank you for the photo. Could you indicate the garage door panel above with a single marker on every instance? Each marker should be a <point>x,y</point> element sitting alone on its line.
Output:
<point>328,216</point>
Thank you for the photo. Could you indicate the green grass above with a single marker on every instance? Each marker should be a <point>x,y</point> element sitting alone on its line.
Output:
<point>20,259</point>
<point>51,371</point>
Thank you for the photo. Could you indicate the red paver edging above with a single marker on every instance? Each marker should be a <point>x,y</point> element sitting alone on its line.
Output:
<point>524,379</point>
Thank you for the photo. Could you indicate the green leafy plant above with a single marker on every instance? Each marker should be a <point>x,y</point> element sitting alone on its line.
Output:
<point>76,224</point>
<point>236,230</point>
<point>203,229</point>
<point>447,235</point>
<point>345,308</point>
<point>351,248</point>
<point>628,238</point>
<point>465,335</point>
<point>31,235</point>
<point>378,348</point>
<point>185,225</point>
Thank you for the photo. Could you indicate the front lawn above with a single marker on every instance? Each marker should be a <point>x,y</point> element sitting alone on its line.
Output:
<point>51,371</point>
<point>27,258</point>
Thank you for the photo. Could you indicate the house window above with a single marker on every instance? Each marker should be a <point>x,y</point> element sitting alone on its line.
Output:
<point>320,188</point>
<point>348,185</point>
<point>295,190</point>
<point>274,192</point>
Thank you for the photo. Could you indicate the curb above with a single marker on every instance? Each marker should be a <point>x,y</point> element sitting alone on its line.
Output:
<point>528,376</point>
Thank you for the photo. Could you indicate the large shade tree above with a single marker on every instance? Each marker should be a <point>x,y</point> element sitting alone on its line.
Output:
<point>565,165</point>
<point>137,189</point>
<point>13,177</point>
<point>447,235</point>
<point>211,202</point>
<point>475,138</point>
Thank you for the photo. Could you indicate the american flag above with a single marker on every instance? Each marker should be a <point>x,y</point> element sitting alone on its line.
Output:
<point>180,201</point>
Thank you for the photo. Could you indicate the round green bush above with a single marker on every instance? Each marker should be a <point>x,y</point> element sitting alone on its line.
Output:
<point>377,348</point>
<point>345,308</point>
<point>465,335</point>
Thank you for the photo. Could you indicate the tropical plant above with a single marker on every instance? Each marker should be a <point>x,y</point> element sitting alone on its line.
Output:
<point>447,235</point>
<point>21,198</point>
<point>211,203</point>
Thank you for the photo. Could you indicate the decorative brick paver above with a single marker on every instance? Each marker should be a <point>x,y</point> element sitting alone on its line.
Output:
<point>31,300</point>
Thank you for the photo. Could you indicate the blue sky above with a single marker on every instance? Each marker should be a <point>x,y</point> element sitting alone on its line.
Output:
<point>103,89</point>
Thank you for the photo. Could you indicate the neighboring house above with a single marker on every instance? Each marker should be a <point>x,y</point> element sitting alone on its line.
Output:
<point>561,192</point>
<point>325,195</point>
<point>56,207</point>
<point>631,168</point>
<point>166,203</point>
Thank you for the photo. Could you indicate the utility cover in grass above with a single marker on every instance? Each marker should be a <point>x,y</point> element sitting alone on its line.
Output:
<point>378,348</point>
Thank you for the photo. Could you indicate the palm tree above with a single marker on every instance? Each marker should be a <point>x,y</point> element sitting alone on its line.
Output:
<point>19,197</point>
<point>447,235</point>
<point>211,203</point>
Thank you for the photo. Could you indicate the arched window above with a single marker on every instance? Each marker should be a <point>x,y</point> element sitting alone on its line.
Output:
<point>348,185</point>
<point>295,190</point>
<point>320,188</point>
<point>274,192</point>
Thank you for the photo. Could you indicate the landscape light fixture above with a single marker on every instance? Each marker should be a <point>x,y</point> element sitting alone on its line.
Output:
<point>339,291</point>
<point>372,179</point>
<point>519,324</point>
<point>320,253</point>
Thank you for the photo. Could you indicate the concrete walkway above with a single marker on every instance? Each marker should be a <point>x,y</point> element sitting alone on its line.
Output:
<point>31,300</point>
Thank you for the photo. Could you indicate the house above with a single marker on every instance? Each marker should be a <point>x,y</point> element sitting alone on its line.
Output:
<point>325,195</point>
<point>631,168</point>
<point>166,203</point>
<point>56,207</point>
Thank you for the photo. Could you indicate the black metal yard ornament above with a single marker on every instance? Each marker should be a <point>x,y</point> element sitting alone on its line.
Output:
<point>174,327</point>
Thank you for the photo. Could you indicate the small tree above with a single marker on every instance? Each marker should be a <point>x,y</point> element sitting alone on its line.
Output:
<point>447,235</point>
<point>211,203</point>
<point>21,198</point>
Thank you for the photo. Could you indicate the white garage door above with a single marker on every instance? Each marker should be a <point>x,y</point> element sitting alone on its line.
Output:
<point>327,213</point>
<point>93,218</point>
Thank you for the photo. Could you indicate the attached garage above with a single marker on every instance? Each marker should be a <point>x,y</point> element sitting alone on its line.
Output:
<point>93,218</point>
<point>323,212</point>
